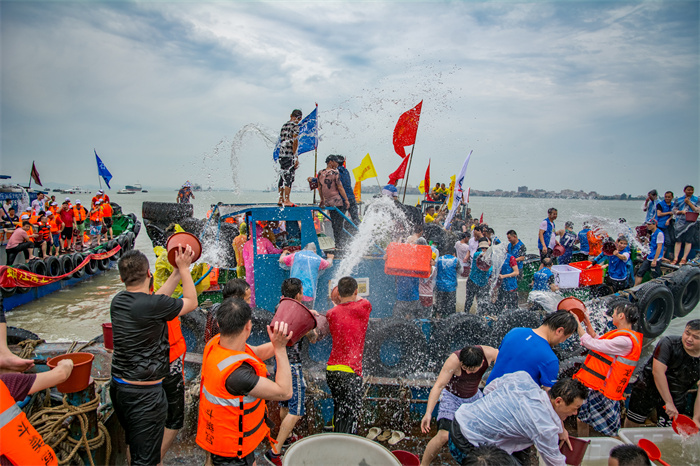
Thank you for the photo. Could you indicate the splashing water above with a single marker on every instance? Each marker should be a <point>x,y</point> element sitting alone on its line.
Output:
<point>547,299</point>
<point>614,228</point>
<point>496,255</point>
<point>267,135</point>
<point>215,252</point>
<point>381,224</point>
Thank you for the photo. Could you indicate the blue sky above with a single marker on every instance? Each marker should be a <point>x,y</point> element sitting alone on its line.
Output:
<point>596,96</point>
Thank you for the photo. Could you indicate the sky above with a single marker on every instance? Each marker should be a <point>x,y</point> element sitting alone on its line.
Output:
<point>598,96</point>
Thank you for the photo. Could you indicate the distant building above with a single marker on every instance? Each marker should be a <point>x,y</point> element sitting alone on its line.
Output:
<point>522,189</point>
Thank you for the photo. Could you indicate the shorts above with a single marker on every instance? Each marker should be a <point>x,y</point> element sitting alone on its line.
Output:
<point>287,173</point>
<point>56,237</point>
<point>450,403</point>
<point>296,403</point>
<point>108,222</point>
<point>80,227</point>
<point>601,413</point>
<point>141,410</point>
<point>617,285</point>
<point>67,233</point>
<point>174,387</point>
<point>688,236</point>
<point>95,229</point>
<point>247,460</point>
<point>645,398</point>
<point>646,267</point>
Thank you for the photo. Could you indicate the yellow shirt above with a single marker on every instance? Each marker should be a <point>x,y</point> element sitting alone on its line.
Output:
<point>429,218</point>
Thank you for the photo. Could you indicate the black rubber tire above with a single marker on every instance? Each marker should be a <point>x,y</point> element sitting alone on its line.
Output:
<point>16,335</point>
<point>7,292</point>
<point>137,228</point>
<point>685,286</point>
<point>53,266</point>
<point>111,245</point>
<point>78,258</point>
<point>91,266</point>
<point>655,302</point>
<point>166,212</point>
<point>454,333</point>
<point>192,325</point>
<point>22,289</point>
<point>66,261</point>
<point>507,321</point>
<point>132,216</point>
<point>194,225</point>
<point>103,264</point>
<point>38,267</point>
<point>404,333</point>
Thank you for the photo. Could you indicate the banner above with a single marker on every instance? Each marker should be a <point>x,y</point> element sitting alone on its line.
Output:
<point>102,170</point>
<point>11,277</point>
<point>399,173</point>
<point>458,195</point>
<point>421,187</point>
<point>450,192</point>
<point>365,170</point>
<point>406,130</point>
<point>35,175</point>
<point>426,179</point>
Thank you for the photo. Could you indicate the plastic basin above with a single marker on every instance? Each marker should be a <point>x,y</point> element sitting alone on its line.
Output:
<point>691,216</point>
<point>575,454</point>
<point>183,239</point>
<point>590,277</point>
<point>80,377</point>
<point>338,450</point>
<point>407,458</point>
<point>566,276</point>
<point>297,316</point>
<point>408,260</point>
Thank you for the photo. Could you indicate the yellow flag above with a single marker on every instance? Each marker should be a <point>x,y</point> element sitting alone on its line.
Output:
<point>451,191</point>
<point>357,191</point>
<point>421,186</point>
<point>365,170</point>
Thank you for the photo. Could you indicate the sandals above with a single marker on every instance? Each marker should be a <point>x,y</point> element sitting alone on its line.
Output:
<point>384,436</point>
<point>373,432</point>
<point>683,262</point>
<point>393,436</point>
<point>396,437</point>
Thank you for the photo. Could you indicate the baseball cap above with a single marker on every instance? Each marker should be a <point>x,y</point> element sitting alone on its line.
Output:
<point>77,201</point>
<point>68,199</point>
<point>24,217</point>
<point>651,221</point>
<point>28,209</point>
<point>54,203</point>
<point>49,213</point>
<point>390,190</point>
<point>100,191</point>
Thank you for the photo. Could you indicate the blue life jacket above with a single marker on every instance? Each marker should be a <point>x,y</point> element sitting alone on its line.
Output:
<point>583,240</point>
<point>477,275</point>
<point>305,268</point>
<point>617,268</point>
<point>446,279</point>
<point>510,283</point>
<point>653,246</point>
<point>541,280</point>
<point>547,235</point>
<point>663,221</point>
<point>515,250</point>
<point>496,240</point>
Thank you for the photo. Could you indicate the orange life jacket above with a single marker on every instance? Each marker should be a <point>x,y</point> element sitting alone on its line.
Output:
<point>55,225</point>
<point>178,347</point>
<point>595,244</point>
<point>21,443</point>
<point>611,374</point>
<point>229,425</point>
<point>95,214</point>
<point>44,229</point>
<point>79,213</point>
<point>106,210</point>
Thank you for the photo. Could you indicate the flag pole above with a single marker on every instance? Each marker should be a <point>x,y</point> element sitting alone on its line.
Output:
<point>405,184</point>
<point>30,176</point>
<point>315,166</point>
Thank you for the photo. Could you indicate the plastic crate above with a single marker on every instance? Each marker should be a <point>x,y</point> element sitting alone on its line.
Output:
<point>590,277</point>
<point>408,260</point>
<point>566,276</point>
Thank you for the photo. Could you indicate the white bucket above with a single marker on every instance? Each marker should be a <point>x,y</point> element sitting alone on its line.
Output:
<point>338,450</point>
<point>566,276</point>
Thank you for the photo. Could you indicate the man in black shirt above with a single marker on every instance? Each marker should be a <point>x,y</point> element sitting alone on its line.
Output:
<point>141,349</point>
<point>668,375</point>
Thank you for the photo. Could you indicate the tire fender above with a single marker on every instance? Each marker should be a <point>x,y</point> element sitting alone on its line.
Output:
<point>655,302</point>
<point>395,348</point>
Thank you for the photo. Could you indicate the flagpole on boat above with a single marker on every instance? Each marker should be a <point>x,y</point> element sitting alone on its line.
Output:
<point>408,170</point>
<point>316,151</point>
<point>30,176</point>
<point>315,168</point>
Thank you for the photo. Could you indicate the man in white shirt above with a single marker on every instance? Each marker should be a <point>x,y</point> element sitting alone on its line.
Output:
<point>514,414</point>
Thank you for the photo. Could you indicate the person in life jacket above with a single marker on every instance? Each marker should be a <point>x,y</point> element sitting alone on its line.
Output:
<point>618,262</point>
<point>607,370</point>
<point>96,224</point>
<point>232,419</point>
<point>43,242</point>
<point>55,226</point>
<point>107,212</point>
<point>80,215</point>
<point>21,444</point>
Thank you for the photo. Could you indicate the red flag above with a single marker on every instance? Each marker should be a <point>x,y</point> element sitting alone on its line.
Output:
<point>481,219</point>
<point>399,173</point>
<point>426,181</point>
<point>35,175</point>
<point>406,129</point>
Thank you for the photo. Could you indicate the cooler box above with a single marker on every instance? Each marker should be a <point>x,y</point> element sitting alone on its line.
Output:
<point>566,276</point>
<point>408,260</point>
<point>592,276</point>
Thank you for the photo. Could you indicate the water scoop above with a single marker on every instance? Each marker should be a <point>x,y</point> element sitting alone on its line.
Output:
<point>683,425</point>
<point>183,239</point>
<point>651,450</point>
<point>575,454</point>
<point>558,250</point>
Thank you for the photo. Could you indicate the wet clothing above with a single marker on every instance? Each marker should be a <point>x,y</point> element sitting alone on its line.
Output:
<point>685,231</point>
<point>346,390</point>
<point>568,240</point>
<point>583,240</point>
<point>542,279</point>
<point>174,387</point>
<point>348,325</point>
<point>450,403</point>
<point>664,220</point>
<point>650,209</point>
<point>617,268</point>
<point>288,134</point>
<point>601,413</point>
<point>306,266</point>
<point>466,385</point>
<point>510,265</point>
<point>523,350</point>
<point>518,250</point>
<point>656,241</point>
<point>296,403</point>
<point>549,237</point>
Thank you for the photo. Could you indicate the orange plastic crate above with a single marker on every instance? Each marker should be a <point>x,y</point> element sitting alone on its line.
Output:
<point>408,260</point>
<point>592,276</point>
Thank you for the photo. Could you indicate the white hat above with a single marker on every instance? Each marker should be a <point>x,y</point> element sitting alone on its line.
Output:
<point>100,191</point>
<point>24,216</point>
<point>49,213</point>
<point>54,203</point>
<point>68,199</point>
<point>28,209</point>
<point>77,201</point>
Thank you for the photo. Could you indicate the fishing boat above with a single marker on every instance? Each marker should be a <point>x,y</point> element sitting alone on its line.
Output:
<point>133,187</point>
<point>75,190</point>
<point>126,191</point>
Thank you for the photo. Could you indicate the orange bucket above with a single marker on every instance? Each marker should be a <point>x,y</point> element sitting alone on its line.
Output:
<point>80,377</point>
<point>297,316</point>
<point>183,239</point>
<point>107,334</point>
<point>573,305</point>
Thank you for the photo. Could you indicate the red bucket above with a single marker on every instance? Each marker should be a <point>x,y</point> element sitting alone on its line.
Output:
<point>558,250</point>
<point>574,455</point>
<point>609,248</point>
<point>183,239</point>
<point>691,216</point>
<point>297,316</point>
<point>406,458</point>
<point>107,334</point>
<point>80,377</point>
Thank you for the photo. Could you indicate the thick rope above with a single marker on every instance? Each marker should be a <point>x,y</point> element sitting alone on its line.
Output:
<point>53,424</point>
<point>27,348</point>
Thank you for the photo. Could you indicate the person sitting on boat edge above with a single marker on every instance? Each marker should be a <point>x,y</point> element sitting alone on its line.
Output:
<point>457,384</point>
<point>607,370</point>
<point>652,263</point>
<point>543,279</point>
<point>141,361</point>
<point>685,231</point>
<point>513,415</point>
<point>668,375</point>
<point>234,386</point>
<point>292,410</point>
<point>20,242</point>
<point>617,276</point>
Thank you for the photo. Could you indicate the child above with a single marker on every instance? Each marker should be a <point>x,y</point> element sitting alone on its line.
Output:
<point>292,410</point>
<point>543,279</point>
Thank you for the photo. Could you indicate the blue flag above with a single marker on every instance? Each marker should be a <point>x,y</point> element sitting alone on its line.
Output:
<point>102,170</point>
<point>308,135</point>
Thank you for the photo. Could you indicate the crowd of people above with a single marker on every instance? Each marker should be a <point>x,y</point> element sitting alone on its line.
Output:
<point>47,228</point>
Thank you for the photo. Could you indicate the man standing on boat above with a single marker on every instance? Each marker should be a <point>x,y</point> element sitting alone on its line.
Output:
<point>288,144</point>
<point>140,360</point>
<point>547,237</point>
